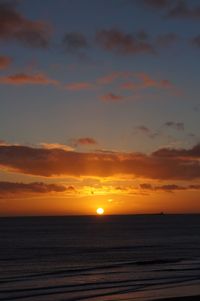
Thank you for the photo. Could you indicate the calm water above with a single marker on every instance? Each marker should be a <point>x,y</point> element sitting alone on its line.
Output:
<point>99,258</point>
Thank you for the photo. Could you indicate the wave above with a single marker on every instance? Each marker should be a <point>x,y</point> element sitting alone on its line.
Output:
<point>81,271</point>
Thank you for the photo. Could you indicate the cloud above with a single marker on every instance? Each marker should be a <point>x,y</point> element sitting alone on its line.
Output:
<point>196,41</point>
<point>168,187</point>
<point>57,146</point>
<point>179,9</point>
<point>5,62</point>
<point>167,39</point>
<point>78,86</point>
<point>165,163</point>
<point>74,42</point>
<point>111,77</point>
<point>10,188</point>
<point>111,97</point>
<point>143,129</point>
<point>182,10</point>
<point>85,141</point>
<point>115,40</point>
<point>28,79</point>
<point>187,154</point>
<point>158,4</point>
<point>16,27</point>
<point>175,125</point>
<point>146,131</point>
<point>144,81</point>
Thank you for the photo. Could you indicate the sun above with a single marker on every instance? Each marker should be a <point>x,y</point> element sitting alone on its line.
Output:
<point>100,211</point>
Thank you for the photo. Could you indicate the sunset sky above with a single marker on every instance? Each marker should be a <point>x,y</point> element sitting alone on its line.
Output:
<point>99,106</point>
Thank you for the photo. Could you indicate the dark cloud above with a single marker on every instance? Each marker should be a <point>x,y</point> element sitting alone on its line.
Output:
<point>115,40</point>
<point>74,42</point>
<point>165,163</point>
<point>156,4</point>
<point>196,41</point>
<point>168,187</point>
<point>175,125</point>
<point>5,62</point>
<point>146,131</point>
<point>118,41</point>
<point>188,154</point>
<point>182,10</point>
<point>173,8</point>
<point>85,141</point>
<point>16,27</point>
<point>7,188</point>
<point>143,129</point>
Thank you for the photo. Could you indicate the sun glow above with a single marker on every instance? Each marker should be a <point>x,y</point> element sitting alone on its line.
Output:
<point>100,211</point>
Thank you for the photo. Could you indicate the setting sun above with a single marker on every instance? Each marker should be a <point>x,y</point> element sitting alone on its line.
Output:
<point>100,211</point>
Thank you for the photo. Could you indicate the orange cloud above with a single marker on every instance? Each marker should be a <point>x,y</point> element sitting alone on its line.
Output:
<point>16,27</point>
<point>5,62</point>
<point>146,81</point>
<point>78,86</point>
<point>179,164</point>
<point>26,79</point>
<point>110,78</point>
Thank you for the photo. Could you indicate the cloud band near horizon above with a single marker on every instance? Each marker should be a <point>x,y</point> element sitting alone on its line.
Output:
<point>163,164</point>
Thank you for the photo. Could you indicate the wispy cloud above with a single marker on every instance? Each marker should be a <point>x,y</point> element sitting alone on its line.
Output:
<point>78,86</point>
<point>144,81</point>
<point>112,77</point>
<point>84,141</point>
<point>111,97</point>
<point>25,79</point>
<point>115,40</point>
<point>175,125</point>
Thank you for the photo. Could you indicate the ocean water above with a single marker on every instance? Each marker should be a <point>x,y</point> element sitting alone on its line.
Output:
<point>99,257</point>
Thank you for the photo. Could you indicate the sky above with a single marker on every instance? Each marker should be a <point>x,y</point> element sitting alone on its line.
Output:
<point>99,107</point>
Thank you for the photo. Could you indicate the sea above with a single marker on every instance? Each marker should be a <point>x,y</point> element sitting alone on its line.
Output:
<point>130,257</point>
